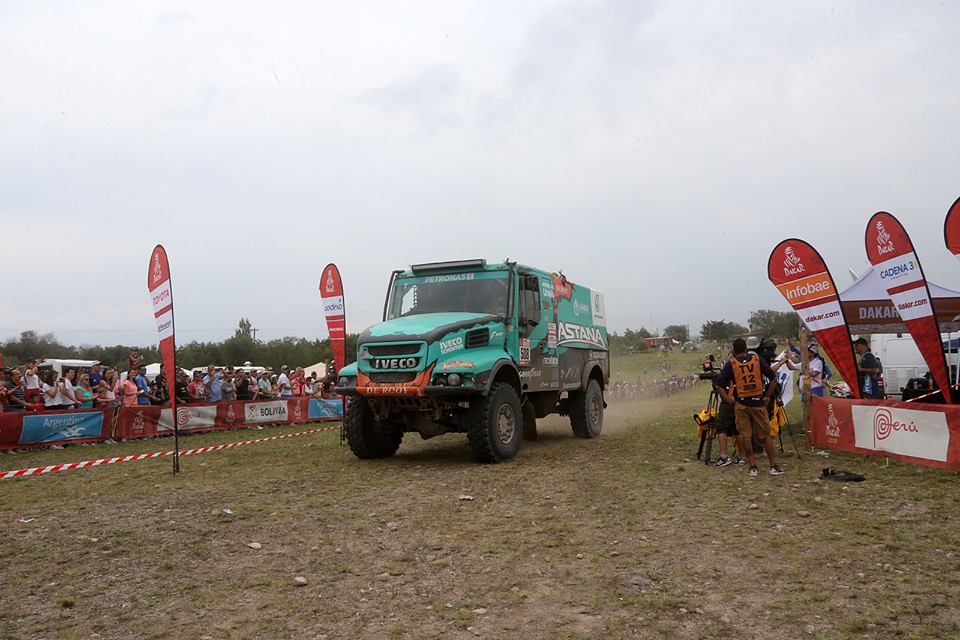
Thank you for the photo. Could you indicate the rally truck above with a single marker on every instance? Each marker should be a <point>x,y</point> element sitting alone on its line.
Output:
<point>481,349</point>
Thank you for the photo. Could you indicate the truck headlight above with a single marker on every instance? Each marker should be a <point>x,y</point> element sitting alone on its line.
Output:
<point>453,379</point>
<point>344,381</point>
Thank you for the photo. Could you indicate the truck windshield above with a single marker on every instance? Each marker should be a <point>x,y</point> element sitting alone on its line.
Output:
<point>482,292</point>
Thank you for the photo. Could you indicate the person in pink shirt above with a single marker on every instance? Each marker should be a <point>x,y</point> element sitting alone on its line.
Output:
<point>129,389</point>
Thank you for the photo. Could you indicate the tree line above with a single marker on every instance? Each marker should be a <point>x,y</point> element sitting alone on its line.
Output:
<point>766,323</point>
<point>240,348</point>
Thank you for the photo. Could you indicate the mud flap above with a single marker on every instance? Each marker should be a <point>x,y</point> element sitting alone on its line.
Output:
<point>529,421</point>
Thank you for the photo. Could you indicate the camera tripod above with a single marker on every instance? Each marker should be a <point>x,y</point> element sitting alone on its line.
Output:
<point>708,430</point>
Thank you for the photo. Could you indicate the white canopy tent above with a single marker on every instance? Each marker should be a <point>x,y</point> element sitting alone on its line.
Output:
<point>320,369</point>
<point>868,309</point>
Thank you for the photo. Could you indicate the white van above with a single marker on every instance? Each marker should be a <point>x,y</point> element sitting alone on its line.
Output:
<point>901,360</point>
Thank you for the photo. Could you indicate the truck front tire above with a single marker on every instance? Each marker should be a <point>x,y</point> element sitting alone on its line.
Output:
<point>586,411</point>
<point>367,436</point>
<point>495,424</point>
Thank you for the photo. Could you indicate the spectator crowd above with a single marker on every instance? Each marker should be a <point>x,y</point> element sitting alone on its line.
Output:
<point>35,388</point>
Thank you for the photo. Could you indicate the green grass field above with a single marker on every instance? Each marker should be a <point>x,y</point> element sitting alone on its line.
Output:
<point>624,536</point>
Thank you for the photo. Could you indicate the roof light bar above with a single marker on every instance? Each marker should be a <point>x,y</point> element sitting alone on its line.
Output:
<point>452,264</point>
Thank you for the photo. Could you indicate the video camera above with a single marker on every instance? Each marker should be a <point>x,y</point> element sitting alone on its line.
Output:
<point>767,350</point>
<point>710,369</point>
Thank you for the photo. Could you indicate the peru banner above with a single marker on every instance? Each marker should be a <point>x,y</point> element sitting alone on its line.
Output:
<point>951,229</point>
<point>161,295</point>
<point>801,275</point>
<point>331,292</point>
<point>891,252</point>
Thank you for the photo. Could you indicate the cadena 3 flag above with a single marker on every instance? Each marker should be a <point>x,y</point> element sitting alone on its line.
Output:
<point>801,275</point>
<point>890,251</point>
<point>951,229</point>
<point>158,283</point>
<point>331,292</point>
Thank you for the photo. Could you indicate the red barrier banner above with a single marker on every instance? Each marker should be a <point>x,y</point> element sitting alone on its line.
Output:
<point>334,311</point>
<point>924,434</point>
<point>800,274</point>
<point>891,252</point>
<point>151,421</point>
<point>951,229</point>
<point>39,428</point>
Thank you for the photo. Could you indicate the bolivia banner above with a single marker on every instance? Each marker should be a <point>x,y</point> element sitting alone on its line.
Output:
<point>331,292</point>
<point>951,229</point>
<point>161,295</point>
<point>801,275</point>
<point>890,251</point>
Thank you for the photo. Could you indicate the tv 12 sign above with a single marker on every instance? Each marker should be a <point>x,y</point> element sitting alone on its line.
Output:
<point>331,293</point>
<point>891,253</point>
<point>802,277</point>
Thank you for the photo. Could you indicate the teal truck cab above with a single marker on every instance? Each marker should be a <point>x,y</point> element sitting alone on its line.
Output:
<point>477,348</point>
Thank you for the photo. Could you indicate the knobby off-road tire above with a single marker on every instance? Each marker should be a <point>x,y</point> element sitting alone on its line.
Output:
<point>495,424</point>
<point>586,411</point>
<point>368,437</point>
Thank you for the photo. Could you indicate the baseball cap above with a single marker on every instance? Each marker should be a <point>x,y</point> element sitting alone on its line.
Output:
<point>753,342</point>
<point>284,367</point>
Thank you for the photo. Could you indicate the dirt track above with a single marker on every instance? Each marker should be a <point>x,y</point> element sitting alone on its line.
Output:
<point>616,537</point>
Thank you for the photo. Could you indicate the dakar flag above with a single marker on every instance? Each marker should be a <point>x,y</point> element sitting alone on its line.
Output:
<point>331,292</point>
<point>891,252</point>
<point>161,295</point>
<point>801,275</point>
<point>951,229</point>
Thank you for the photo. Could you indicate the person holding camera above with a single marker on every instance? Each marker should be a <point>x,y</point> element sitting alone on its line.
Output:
<point>753,383</point>
<point>726,422</point>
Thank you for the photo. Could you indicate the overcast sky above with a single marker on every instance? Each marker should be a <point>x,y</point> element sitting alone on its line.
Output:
<point>654,151</point>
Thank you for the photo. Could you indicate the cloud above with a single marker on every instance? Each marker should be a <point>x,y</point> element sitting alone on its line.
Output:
<point>428,97</point>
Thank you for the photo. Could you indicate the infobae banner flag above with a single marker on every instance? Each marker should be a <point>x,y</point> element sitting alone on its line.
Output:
<point>331,292</point>
<point>951,229</point>
<point>891,252</point>
<point>161,295</point>
<point>801,275</point>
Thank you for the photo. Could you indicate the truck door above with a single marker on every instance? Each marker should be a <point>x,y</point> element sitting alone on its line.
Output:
<point>537,351</point>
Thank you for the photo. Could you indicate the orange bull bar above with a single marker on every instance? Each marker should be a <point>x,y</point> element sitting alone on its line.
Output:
<point>367,387</point>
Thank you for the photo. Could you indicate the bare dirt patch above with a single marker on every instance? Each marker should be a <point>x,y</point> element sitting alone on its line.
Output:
<point>622,536</point>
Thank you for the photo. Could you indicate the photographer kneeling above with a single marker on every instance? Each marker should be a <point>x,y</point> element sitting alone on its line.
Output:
<point>746,372</point>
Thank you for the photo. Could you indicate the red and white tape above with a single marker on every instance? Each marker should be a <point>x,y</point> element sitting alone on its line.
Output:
<point>35,471</point>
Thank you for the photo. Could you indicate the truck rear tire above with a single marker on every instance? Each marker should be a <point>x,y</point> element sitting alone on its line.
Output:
<point>367,436</point>
<point>586,411</point>
<point>495,424</point>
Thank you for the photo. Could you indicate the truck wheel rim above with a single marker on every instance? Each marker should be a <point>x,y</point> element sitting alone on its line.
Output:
<point>595,410</point>
<point>506,424</point>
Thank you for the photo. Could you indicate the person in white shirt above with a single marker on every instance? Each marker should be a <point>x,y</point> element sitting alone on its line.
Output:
<point>815,367</point>
<point>68,399</point>
<point>286,391</point>
<point>31,383</point>
<point>51,391</point>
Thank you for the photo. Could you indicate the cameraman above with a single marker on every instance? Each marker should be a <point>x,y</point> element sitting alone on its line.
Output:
<point>726,422</point>
<point>745,372</point>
